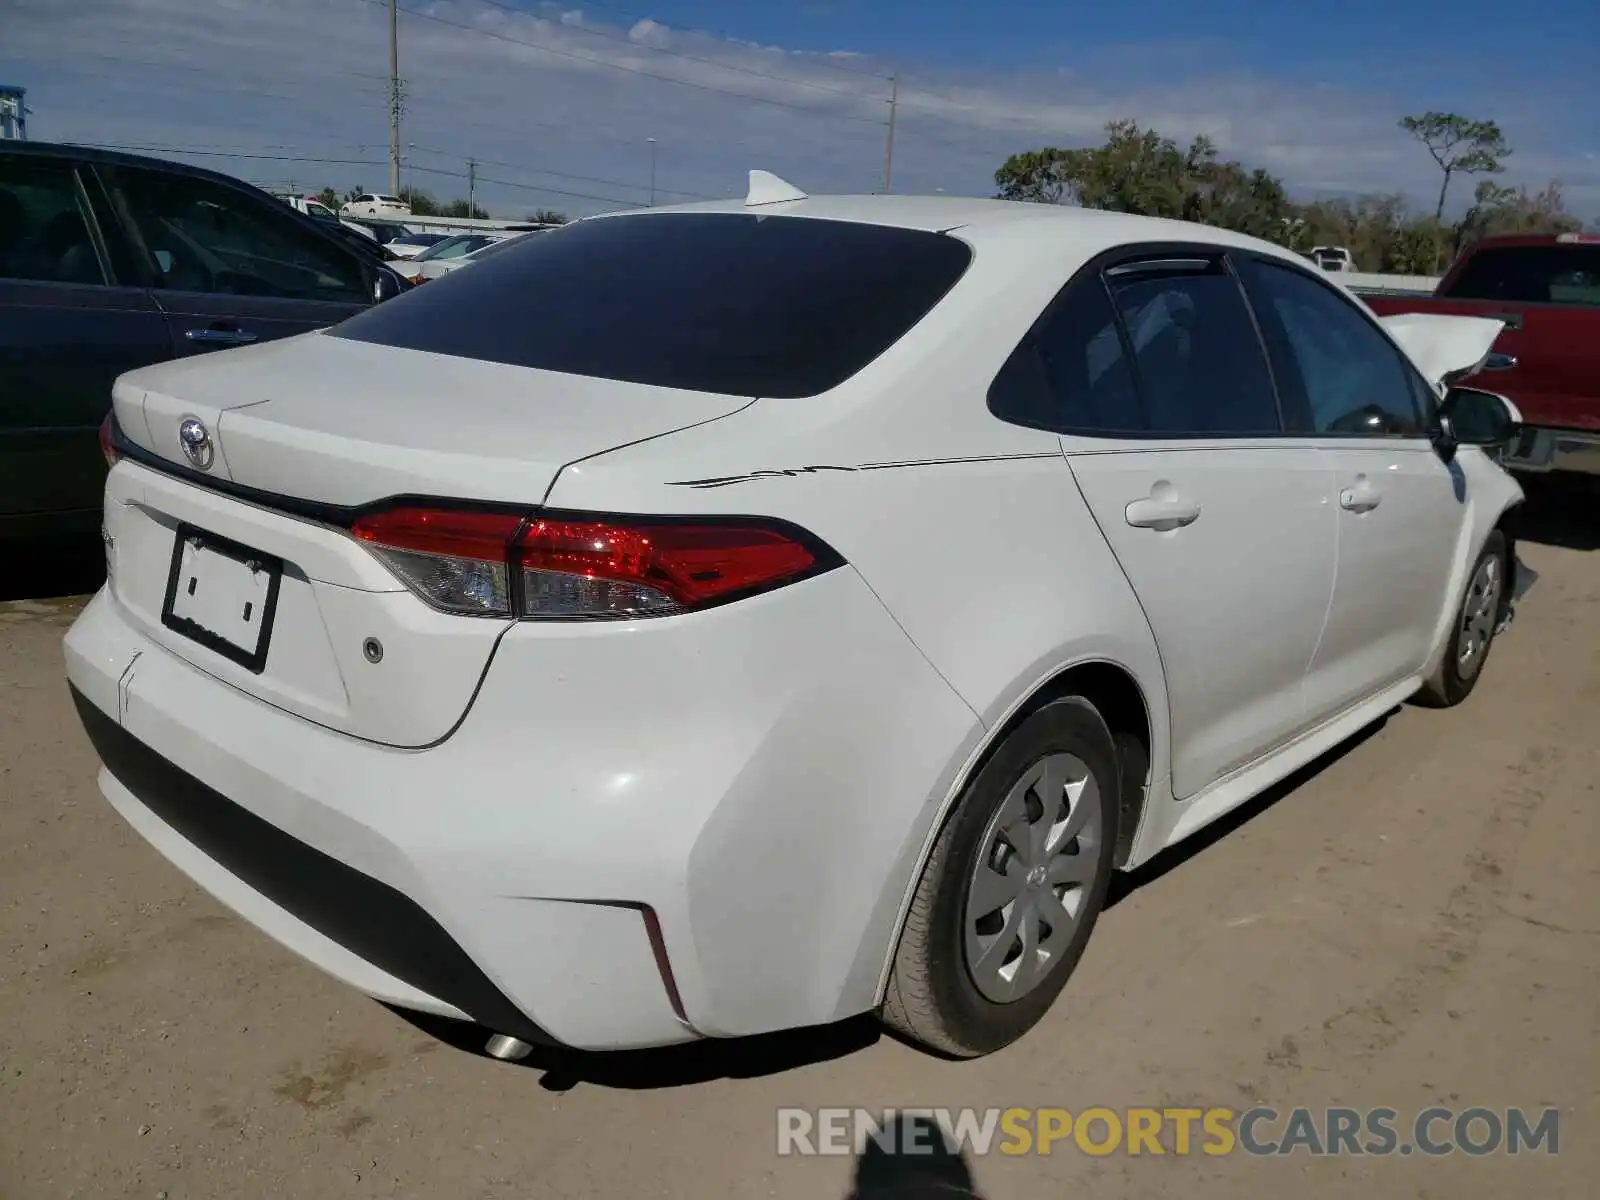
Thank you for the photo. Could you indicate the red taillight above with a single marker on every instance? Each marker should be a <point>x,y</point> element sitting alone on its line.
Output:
<point>107,444</point>
<point>455,560</point>
<point>493,564</point>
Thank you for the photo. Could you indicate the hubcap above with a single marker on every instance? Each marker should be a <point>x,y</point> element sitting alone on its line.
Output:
<point>1478,615</point>
<point>1038,859</point>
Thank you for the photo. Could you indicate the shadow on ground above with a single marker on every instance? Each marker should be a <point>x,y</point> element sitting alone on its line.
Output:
<point>669,1066</point>
<point>1125,883</point>
<point>912,1161</point>
<point>1561,512</point>
<point>47,569</point>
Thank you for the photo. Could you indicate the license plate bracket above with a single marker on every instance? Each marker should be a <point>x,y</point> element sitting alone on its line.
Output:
<point>222,595</point>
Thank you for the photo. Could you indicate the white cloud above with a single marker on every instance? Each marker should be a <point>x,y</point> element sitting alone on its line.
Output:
<point>648,33</point>
<point>563,122</point>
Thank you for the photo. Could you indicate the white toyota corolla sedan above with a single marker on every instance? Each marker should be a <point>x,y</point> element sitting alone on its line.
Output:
<point>707,621</point>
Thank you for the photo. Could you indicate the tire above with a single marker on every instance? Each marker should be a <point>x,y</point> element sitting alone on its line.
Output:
<point>1472,627</point>
<point>948,988</point>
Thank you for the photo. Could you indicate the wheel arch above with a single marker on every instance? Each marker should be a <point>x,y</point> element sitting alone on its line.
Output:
<point>1122,702</point>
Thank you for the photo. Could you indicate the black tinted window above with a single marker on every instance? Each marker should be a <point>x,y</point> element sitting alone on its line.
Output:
<point>1199,363</point>
<point>205,237</point>
<point>43,235</point>
<point>719,302</point>
<point>1531,275</point>
<point>1337,372</point>
<point>1071,372</point>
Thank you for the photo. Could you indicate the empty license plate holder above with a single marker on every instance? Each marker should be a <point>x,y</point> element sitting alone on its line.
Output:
<point>222,595</point>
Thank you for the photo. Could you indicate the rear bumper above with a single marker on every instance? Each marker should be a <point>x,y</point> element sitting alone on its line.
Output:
<point>1569,451</point>
<point>629,841</point>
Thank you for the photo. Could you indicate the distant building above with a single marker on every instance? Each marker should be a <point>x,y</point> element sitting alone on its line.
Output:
<point>13,113</point>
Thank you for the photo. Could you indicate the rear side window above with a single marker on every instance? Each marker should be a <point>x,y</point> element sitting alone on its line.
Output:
<point>1197,357</point>
<point>1071,372</point>
<point>43,234</point>
<point>1531,275</point>
<point>730,303</point>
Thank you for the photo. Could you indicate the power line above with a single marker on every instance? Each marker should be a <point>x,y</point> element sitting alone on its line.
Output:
<point>611,35</point>
<point>490,162</point>
<point>210,68</point>
<point>601,62</point>
<point>529,187</point>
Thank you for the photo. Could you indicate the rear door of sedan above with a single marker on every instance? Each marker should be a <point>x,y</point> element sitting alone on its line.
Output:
<point>1150,367</point>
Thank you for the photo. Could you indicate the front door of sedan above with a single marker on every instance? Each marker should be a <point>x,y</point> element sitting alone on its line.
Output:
<point>1224,528</point>
<point>1402,512</point>
<point>229,268</point>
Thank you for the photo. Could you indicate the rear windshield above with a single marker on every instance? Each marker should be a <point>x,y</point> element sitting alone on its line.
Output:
<point>731,303</point>
<point>1531,275</point>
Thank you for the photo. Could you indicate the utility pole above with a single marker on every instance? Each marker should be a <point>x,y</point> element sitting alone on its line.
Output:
<point>888,146</point>
<point>652,142</point>
<point>472,186</point>
<point>394,98</point>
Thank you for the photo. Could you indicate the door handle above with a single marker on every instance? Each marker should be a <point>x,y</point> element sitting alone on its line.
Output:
<point>1162,513</point>
<point>220,337</point>
<point>1363,497</point>
<point>1500,362</point>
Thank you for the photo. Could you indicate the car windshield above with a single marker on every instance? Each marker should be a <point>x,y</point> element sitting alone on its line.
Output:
<point>497,247</point>
<point>448,247</point>
<point>730,303</point>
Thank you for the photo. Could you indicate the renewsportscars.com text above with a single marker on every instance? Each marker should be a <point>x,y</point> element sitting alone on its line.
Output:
<point>1259,1132</point>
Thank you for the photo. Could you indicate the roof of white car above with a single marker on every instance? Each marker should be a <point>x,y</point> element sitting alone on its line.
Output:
<point>1094,229</point>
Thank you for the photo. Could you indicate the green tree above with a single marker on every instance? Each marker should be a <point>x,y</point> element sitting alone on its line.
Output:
<point>422,204</point>
<point>461,208</point>
<point>546,216</point>
<point>1458,144</point>
<point>329,198</point>
<point>1137,170</point>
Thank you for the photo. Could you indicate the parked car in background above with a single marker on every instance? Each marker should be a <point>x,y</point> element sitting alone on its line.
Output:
<point>563,647</point>
<point>311,206</point>
<point>375,205</point>
<point>413,244</point>
<point>457,245</point>
<point>433,268</point>
<point>1333,258</point>
<point>383,232</point>
<point>1545,290</point>
<point>111,261</point>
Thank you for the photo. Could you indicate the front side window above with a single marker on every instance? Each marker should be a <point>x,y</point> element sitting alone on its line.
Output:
<point>729,303</point>
<point>1198,361</point>
<point>43,234</point>
<point>205,237</point>
<point>1338,372</point>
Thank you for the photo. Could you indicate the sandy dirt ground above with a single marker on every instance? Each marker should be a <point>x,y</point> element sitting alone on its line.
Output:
<point>1416,921</point>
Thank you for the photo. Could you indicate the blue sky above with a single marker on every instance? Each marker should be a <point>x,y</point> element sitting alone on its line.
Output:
<point>558,101</point>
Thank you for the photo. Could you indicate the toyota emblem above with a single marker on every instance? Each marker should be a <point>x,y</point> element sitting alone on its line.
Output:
<point>195,439</point>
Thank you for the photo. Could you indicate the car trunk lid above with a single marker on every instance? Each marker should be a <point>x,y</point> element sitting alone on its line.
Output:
<point>240,560</point>
<point>343,422</point>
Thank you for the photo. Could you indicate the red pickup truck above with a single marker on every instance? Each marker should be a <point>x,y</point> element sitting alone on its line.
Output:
<point>1547,358</point>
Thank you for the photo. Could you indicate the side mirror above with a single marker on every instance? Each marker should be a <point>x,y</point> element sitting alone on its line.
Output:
<point>387,286</point>
<point>1472,417</point>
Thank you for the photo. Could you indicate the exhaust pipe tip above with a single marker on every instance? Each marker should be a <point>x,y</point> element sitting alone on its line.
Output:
<point>507,1048</point>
